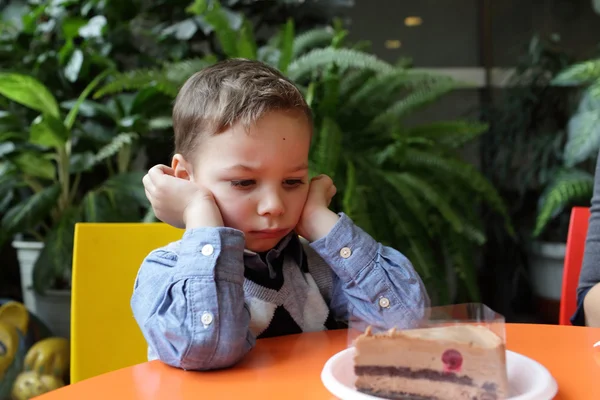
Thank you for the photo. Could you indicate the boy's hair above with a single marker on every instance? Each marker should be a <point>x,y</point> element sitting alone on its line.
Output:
<point>228,92</point>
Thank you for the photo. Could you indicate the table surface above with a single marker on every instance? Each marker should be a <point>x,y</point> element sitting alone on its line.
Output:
<point>290,367</point>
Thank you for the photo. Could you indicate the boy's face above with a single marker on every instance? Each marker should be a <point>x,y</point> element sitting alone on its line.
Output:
<point>259,177</point>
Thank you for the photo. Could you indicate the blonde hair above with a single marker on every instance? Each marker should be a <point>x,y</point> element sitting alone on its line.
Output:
<point>230,92</point>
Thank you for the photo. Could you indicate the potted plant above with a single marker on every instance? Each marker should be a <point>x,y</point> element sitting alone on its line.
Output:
<point>520,154</point>
<point>56,175</point>
<point>405,184</point>
<point>573,180</point>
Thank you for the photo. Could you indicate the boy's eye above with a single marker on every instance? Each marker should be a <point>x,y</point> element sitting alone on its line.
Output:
<point>243,183</point>
<point>293,182</point>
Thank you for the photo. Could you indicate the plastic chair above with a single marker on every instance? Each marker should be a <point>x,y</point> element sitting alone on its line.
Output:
<point>578,227</point>
<point>106,258</point>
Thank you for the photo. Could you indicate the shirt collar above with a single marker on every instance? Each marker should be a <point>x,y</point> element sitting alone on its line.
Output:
<point>290,245</point>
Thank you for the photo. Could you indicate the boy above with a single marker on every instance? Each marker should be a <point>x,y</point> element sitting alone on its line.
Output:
<point>238,184</point>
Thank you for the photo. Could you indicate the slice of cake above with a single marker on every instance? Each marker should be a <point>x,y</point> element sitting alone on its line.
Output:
<point>450,362</point>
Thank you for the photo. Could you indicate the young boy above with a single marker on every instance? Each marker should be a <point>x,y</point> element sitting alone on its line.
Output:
<point>239,185</point>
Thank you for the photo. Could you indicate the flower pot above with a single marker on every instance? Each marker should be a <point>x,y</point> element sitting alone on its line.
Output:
<point>54,307</point>
<point>547,263</point>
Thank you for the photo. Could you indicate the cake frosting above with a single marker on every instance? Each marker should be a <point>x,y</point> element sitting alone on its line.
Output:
<point>449,362</point>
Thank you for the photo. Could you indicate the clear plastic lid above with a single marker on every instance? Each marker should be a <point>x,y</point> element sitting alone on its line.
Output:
<point>449,352</point>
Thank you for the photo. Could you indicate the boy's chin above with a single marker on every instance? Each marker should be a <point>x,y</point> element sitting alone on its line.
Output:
<point>262,245</point>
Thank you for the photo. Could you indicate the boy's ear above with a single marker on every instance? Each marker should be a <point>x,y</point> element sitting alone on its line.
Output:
<point>182,168</point>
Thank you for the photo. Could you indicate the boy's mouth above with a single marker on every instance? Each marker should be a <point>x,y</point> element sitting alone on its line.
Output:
<point>269,233</point>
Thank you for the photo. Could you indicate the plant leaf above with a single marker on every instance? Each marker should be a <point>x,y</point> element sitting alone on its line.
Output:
<point>452,134</point>
<point>328,147</point>
<point>115,145</point>
<point>310,39</point>
<point>583,140</point>
<point>81,162</point>
<point>344,58</point>
<point>129,185</point>
<point>32,164</point>
<point>568,186</point>
<point>48,131</point>
<point>70,119</point>
<point>74,66</point>
<point>55,260</point>
<point>29,213</point>
<point>29,92</point>
<point>246,45</point>
<point>286,46</point>
<point>579,73</point>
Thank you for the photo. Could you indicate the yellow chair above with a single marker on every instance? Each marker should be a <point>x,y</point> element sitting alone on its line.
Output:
<point>106,258</point>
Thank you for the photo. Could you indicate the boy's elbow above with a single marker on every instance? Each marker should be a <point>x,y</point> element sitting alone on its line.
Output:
<point>199,354</point>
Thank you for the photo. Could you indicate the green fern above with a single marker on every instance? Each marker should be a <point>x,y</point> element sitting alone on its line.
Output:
<point>179,72</point>
<point>410,198</point>
<point>451,134</point>
<point>383,85</point>
<point>584,72</point>
<point>462,262</point>
<point>115,145</point>
<point>311,39</point>
<point>465,173</point>
<point>415,100</point>
<point>568,187</point>
<point>167,79</point>
<point>135,80</point>
<point>432,197</point>
<point>344,58</point>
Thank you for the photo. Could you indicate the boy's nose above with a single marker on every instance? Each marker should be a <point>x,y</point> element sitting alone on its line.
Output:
<point>271,204</point>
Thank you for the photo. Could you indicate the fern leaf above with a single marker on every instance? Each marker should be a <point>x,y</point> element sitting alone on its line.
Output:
<point>421,259</point>
<point>461,256</point>
<point>433,197</point>
<point>410,199</point>
<point>115,145</point>
<point>579,73</point>
<point>344,58</point>
<point>466,173</point>
<point>568,187</point>
<point>451,134</point>
<point>417,99</point>
<point>352,81</point>
<point>310,39</point>
<point>179,72</point>
<point>383,85</point>
<point>136,80</point>
<point>583,138</point>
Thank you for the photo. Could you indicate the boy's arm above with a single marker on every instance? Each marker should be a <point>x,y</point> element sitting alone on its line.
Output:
<point>190,305</point>
<point>373,284</point>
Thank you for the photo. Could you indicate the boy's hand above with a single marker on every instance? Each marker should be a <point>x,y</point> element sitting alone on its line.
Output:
<point>317,219</point>
<point>180,202</point>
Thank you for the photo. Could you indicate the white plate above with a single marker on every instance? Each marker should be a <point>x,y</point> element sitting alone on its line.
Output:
<point>527,379</point>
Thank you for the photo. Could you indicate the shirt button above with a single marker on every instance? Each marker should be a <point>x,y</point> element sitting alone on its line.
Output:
<point>384,302</point>
<point>207,249</point>
<point>345,252</point>
<point>206,318</point>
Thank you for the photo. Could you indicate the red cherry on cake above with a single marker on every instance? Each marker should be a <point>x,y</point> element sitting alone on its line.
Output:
<point>452,360</point>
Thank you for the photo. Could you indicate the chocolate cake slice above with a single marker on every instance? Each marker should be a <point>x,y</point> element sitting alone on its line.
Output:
<point>451,362</point>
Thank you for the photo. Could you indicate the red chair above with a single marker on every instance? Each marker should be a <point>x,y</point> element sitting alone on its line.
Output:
<point>578,227</point>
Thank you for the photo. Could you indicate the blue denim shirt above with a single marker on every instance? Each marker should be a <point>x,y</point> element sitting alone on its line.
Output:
<point>188,296</point>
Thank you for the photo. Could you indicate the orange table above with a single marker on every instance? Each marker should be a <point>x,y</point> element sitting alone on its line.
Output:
<point>289,367</point>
